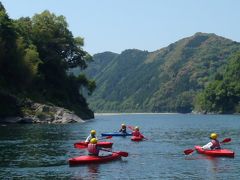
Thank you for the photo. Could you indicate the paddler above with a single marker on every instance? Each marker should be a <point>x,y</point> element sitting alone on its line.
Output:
<point>91,136</point>
<point>214,143</point>
<point>93,148</point>
<point>123,129</point>
<point>137,133</point>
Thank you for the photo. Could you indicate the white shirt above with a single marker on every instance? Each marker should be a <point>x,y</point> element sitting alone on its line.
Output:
<point>207,146</point>
<point>89,138</point>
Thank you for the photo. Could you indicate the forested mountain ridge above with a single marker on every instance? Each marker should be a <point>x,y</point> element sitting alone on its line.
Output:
<point>166,80</point>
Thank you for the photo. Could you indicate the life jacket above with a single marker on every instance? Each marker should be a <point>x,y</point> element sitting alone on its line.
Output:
<point>136,133</point>
<point>92,149</point>
<point>216,144</point>
<point>123,130</point>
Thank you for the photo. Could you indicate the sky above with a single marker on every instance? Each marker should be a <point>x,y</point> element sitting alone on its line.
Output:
<point>117,25</point>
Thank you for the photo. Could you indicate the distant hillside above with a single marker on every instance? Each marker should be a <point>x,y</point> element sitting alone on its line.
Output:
<point>166,80</point>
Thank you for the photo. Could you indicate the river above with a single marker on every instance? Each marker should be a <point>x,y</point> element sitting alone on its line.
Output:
<point>35,151</point>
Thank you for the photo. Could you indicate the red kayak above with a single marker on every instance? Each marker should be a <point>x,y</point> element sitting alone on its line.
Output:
<point>94,159</point>
<point>83,144</point>
<point>215,152</point>
<point>137,138</point>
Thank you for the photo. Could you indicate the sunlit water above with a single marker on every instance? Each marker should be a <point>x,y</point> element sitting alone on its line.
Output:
<point>41,151</point>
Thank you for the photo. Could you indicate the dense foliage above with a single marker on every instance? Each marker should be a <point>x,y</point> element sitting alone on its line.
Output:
<point>166,80</point>
<point>36,56</point>
<point>223,94</point>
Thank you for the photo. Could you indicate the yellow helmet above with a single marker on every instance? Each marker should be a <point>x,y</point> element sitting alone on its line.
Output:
<point>213,136</point>
<point>123,125</point>
<point>136,128</point>
<point>93,132</point>
<point>93,141</point>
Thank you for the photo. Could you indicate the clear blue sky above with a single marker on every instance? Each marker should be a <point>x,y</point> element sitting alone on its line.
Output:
<point>116,25</point>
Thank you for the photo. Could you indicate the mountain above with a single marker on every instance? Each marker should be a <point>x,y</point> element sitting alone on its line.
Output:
<point>166,80</point>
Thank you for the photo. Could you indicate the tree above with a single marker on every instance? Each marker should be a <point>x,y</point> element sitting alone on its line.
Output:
<point>223,94</point>
<point>35,57</point>
<point>55,41</point>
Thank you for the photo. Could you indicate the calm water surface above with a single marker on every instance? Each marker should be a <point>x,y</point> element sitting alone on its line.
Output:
<point>41,151</point>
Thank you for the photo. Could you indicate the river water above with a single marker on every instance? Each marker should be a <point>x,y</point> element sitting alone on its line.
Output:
<point>41,151</point>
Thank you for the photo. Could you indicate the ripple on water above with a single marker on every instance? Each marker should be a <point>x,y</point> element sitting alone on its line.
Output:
<point>42,151</point>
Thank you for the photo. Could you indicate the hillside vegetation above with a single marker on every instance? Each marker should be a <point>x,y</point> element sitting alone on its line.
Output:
<point>36,55</point>
<point>223,94</point>
<point>166,80</point>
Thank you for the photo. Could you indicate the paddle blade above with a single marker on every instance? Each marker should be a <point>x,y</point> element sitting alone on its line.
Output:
<point>131,128</point>
<point>107,137</point>
<point>188,151</point>
<point>226,140</point>
<point>122,153</point>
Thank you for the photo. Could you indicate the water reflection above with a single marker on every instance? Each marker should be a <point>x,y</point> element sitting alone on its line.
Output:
<point>212,165</point>
<point>90,171</point>
<point>93,171</point>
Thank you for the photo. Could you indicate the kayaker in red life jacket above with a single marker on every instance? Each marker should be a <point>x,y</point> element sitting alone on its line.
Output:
<point>213,144</point>
<point>137,133</point>
<point>123,129</point>
<point>93,148</point>
<point>91,136</point>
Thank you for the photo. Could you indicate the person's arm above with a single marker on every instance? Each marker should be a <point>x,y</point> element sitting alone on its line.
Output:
<point>88,138</point>
<point>207,146</point>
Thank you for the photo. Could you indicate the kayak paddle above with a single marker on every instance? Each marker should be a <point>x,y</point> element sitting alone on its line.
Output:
<point>226,140</point>
<point>107,137</point>
<point>131,128</point>
<point>189,151</point>
<point>121,153</point>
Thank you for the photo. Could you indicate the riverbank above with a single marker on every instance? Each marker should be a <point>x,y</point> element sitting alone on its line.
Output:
<point>44,114</point>
<point>112,114</point>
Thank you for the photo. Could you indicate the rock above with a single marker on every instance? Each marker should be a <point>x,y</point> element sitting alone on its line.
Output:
<point>44,114</point>
<point>26,120</point>
<point>11,120</point>
<point>53,114</point>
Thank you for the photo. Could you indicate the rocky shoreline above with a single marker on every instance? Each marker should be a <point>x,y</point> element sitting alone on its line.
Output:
<point>44,114</point>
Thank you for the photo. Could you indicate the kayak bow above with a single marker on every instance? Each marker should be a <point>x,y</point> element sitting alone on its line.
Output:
<point>215,152</point>
<point>137,138</point>
<point>93,159</point>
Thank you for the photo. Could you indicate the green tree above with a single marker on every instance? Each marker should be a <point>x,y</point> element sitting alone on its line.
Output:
<point>59,51</point>
<point>222,96</point>
<point>15,73</point>
<point>36,55</point>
